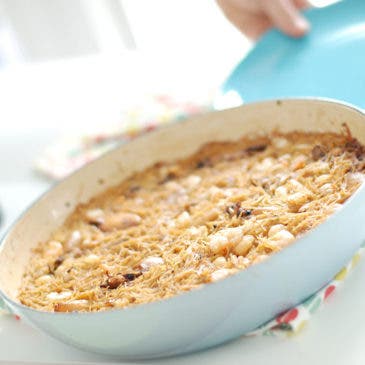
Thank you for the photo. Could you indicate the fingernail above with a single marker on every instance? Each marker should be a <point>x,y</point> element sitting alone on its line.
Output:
<point>302,24</point>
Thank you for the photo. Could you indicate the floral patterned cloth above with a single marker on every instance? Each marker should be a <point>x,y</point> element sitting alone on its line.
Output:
<point>63,158</point>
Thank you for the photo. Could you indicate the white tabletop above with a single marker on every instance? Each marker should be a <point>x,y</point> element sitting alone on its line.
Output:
<point>32,98</point>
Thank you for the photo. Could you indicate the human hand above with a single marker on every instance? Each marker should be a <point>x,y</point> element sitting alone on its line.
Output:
<point>254,17</point>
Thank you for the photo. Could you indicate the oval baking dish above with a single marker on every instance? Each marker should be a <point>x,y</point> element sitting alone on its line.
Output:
<point>216,312</point>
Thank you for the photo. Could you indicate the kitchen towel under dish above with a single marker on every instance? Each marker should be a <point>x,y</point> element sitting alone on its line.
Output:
<point>62,158</point>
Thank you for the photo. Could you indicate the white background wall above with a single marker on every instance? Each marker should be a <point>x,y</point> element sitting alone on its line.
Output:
<point>65,64</point>
<point>43,29</point>
<point>38,30</point>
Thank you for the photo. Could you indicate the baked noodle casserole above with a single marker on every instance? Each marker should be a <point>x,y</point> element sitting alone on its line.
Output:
<point>177,226</point>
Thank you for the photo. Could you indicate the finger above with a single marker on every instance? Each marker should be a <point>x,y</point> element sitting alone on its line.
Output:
<point>302,4</point>
<point>254,26</point>
<point>286,17</point>
<point>251,24</point>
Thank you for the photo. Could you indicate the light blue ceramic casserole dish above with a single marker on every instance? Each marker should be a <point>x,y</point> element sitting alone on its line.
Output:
<point>216,312</point>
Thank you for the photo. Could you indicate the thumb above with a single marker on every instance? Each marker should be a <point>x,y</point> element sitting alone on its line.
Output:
<point>285,16</point>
